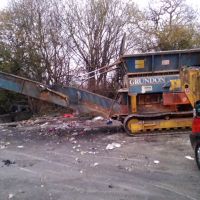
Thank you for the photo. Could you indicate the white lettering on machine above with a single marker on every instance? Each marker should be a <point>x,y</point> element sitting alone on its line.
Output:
<point>146,80</point>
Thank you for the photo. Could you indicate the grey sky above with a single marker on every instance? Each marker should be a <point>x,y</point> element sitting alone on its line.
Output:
<point>3,3</point>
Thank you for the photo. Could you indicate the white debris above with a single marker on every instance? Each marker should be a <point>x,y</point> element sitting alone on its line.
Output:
<point>42,186</point>
<point>99,118</point>
<point>63,126</point>
<point>43,125</point>
<point>20,147</point>
<point>83,152</point>
<point>87,129</point>
<point>10,196</point>
<point>91,152</point>
<point>189,157</point>
<point>2,147</point>
<point>71,139</point>
<point>113,145</point>
<point>156,161</point>
<point>75,133</point>
<point>81,171</point>
<point>42,86</point>
<point>96,164</point>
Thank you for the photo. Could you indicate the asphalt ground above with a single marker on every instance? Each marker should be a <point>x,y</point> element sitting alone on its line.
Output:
<point>40,163</point>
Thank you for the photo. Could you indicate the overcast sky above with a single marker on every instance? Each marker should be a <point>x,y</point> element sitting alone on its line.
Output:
<point>3,3</point>
<point>143,3</point>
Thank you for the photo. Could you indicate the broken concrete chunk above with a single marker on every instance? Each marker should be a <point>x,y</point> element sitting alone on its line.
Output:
<point>113,146</point>
<point>75,134</point>
<point>10,196</point>
<point>2,146</point>
<point>96,164</point>
<point>71,139</point>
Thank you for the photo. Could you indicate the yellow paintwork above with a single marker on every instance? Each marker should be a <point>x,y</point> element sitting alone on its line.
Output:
<point>136,126</point>
<point>175,84</point>
<point>190,81</point>
<point>139,64</point>
<point>133,104</point>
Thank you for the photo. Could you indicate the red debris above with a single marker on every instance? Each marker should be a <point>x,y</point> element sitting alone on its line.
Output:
<point>68,115</point>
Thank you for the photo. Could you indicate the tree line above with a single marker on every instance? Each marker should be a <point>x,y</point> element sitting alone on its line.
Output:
<point>53,41</point>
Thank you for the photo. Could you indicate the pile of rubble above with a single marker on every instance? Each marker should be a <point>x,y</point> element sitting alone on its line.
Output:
<point>67,123</point>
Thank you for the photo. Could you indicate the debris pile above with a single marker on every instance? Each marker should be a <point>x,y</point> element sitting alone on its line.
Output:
<point>69,124</point>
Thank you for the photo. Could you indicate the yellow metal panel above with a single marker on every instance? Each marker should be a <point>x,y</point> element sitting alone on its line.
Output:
<point>139,126</point>
<point>190,80</point>
<point>133,104</point>
<point>175,84</point>
<point>139,64</point>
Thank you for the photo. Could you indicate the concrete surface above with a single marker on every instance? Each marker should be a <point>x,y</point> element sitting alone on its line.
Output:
<point>68,165</point>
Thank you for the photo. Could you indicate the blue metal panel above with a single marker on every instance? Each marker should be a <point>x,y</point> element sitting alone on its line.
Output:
<point>166,62</point>
<point>86,97</point>
<point>10,85</point>
<point>192,59</point>
<point>130,61</point>
<point>162,61</point>
<point>151,84</point>
<point>32,89</point>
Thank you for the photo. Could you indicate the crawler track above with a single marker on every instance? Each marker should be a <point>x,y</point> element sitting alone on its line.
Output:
<point>173,132</point>
<point>155,124</point>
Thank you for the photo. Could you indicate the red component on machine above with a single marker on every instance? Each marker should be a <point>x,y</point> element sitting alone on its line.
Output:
<point>175,98</point>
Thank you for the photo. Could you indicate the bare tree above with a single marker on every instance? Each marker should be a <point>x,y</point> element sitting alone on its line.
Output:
<point>96,28</point>
<point>166,25</point>
<point>33,31</point>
